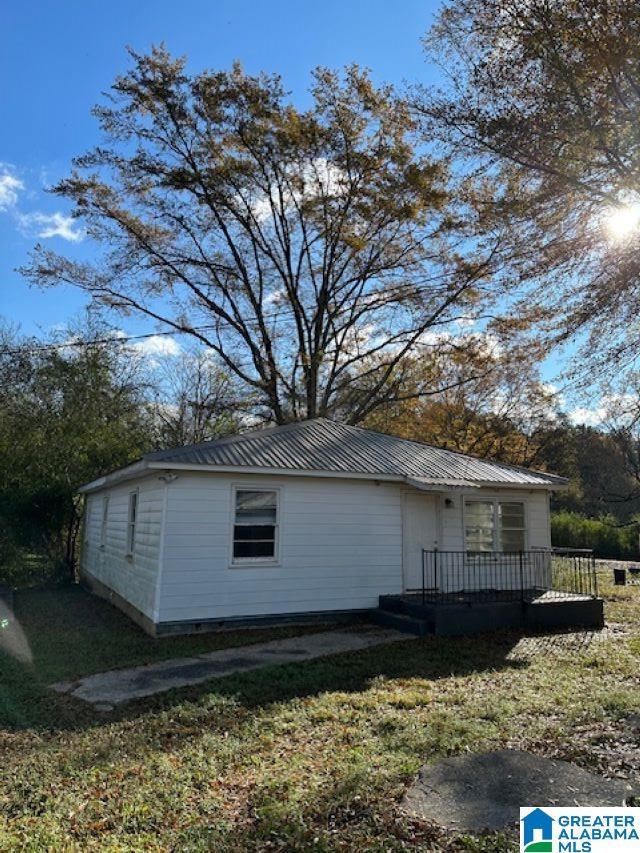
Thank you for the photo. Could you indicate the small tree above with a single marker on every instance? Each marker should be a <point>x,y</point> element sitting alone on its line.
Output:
<point>310,251</point>
<point>67,416</point>
<point>194,400</point>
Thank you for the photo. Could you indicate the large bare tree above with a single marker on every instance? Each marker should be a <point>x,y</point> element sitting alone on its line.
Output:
<point>310,250</point>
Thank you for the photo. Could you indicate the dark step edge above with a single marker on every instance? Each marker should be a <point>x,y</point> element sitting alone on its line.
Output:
<point>400,622</point>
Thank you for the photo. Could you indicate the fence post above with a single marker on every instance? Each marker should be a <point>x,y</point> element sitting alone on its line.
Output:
<point>435,568</point>
<point>594,575</point>
<point>521,578</point>
<point>424,557</point>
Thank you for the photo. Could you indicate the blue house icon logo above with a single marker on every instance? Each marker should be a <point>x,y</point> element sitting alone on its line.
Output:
<point>537,832</point>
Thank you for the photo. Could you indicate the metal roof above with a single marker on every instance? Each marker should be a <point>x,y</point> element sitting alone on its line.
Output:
<point>328,446</point>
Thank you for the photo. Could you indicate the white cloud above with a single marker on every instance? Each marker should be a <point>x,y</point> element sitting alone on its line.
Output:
<point>618,408</point>
<point>158,346</point>
<point>465,322</point>
<point>10,187</point>
<point>36,223</point>
<point>588,417</point>
<point>48,225</point>
<point>276,297</point>
<point>309,179</point>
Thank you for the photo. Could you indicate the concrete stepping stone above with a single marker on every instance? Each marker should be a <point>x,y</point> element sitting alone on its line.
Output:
<point>486,790</point>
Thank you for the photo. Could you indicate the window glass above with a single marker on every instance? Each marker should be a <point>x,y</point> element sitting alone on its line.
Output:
<point>255,525</point>
<point>131,524</point>
<point>479,525</point>
<point>512,536</point>
<point>103,525</point>
<point>493,526</point>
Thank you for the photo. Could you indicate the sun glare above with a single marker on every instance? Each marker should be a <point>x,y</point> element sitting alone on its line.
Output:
<point>621,222</point>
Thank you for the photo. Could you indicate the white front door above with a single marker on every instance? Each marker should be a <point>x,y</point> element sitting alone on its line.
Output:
<point>419,532</point>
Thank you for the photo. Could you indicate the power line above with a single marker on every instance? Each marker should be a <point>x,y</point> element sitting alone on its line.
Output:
<point>376,302</point>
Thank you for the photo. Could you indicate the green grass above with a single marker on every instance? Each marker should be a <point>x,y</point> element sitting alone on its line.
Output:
<point>314,755</point>
<point>65,633</point>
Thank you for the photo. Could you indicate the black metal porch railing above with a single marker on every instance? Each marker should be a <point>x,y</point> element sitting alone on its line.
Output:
<point>465,576</point>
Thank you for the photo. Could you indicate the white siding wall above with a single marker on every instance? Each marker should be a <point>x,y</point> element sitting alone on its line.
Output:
<point>340,548</point>
<point>132,578</point>
<point>340,544</point>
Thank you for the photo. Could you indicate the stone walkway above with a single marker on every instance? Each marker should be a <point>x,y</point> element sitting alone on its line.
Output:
<point>106,689</point>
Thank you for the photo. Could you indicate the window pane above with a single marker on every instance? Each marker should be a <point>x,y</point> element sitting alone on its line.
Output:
<point>253,549</point>
<point>512,514</point>
<point>479,512</point>
<point>256,507</point>
<point>512,526</point>
<point>479,539</point>
<point>248,532</point>
<point>512,540</point>
<point>131,526</point>
<point>479,526</point>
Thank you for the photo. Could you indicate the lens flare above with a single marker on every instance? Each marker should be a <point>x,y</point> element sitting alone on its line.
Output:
<point>621,222</point>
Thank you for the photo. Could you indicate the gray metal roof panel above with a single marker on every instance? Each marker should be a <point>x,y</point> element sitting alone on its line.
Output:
<point>324,445</point>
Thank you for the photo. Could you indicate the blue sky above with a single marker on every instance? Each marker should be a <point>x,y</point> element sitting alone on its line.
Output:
<point>77,47</point>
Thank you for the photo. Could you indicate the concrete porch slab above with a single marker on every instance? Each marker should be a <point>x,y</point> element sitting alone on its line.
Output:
<point>106,689</point>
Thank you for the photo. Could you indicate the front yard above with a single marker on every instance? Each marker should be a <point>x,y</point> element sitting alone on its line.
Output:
<point>307,756</point>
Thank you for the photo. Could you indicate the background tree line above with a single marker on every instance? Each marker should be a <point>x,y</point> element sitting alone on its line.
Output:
<point>404,260</point>
<point>73,411</point>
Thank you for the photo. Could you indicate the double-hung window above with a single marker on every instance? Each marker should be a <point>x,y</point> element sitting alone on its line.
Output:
<point>255,525</point>
<point>131,523</point>
<point>103,523</point>
<point>494,526</point>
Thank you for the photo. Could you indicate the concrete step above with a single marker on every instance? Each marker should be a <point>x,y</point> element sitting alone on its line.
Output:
<point>391,603</point>
<point>400,622</point>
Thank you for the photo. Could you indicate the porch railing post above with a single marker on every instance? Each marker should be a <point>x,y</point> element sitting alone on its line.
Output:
<point>521,577</point>
<point>435,569</point>
<point>424,558</point>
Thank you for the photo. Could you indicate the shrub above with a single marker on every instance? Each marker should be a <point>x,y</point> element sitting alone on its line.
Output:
<point>604,535</point>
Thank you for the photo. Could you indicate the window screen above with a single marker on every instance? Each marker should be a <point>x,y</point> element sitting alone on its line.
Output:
<point>255,525</point>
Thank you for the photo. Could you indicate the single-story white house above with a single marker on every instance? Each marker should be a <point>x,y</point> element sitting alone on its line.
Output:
<point>299,521</point>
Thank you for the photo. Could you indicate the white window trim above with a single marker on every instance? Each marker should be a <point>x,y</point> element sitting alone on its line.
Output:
<point>104,521</point>
<point>130,540</point>
<point>497,525</point>
<point>255,562</point>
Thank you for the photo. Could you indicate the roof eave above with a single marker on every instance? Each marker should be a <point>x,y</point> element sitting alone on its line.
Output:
<point>274,471</point>
<point>145,465</point>
<point>122,474</point>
